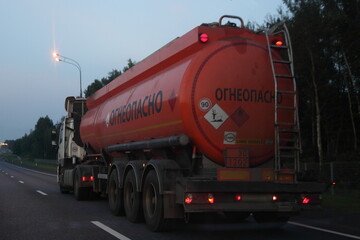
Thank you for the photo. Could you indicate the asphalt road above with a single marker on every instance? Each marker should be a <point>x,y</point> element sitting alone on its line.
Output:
<point>31,207</point>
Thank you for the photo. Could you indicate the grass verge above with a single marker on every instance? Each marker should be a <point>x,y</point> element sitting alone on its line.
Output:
<point>11,158</point>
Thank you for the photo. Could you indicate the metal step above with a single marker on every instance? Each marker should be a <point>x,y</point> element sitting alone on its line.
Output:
<point>288,131</point>
<point>292,140</point>
<point>282,61</point>
<point>285,172</point>
<point>276,46</point>
<point>287,92</point>
<point>284,76</point>
<point>287,156</point>
<point>286,108</point>
<point>285,124</point>
<point>288,148</point>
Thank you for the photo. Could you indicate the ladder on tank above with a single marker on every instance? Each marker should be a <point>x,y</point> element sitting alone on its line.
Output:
<point>287,134</point>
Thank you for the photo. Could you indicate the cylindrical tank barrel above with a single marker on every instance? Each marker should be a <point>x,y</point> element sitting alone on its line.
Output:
<point>220,94</point>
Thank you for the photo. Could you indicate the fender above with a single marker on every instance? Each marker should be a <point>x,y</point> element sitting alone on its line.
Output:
<point>166,171</point>
<point>138,167</point>
<point>118,166</point>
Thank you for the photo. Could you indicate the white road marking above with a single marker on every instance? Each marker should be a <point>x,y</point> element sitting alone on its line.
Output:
<point>325,230</point>
<point>6,173</point>
<point>30,170</point>
<point>109,230</point>
<point>21,182</point>
<point>12,176</point>
<point>42,193</point>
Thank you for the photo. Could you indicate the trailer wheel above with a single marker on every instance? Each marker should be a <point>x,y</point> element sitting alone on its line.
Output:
<point>116,203</point>
<point>132,199</point>
<point>153,203</point>
<point>80,193</point>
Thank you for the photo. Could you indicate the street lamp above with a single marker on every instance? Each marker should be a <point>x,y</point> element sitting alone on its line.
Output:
<point>60,58</point>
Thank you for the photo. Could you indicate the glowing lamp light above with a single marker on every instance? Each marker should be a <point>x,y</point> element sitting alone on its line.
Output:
<point>275,198</point>
<point>57,59</point>
<point>211,198</point>
<point>55,54</point>
<point>83,179</point>
<point>278,43</point>
<point>204,37</point>
<point>91,178</point>
<point>188,198</point>
<point>238,197</point>
<point>306,200</point>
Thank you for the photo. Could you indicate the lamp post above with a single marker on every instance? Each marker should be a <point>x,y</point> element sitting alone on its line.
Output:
<point>60,58</point>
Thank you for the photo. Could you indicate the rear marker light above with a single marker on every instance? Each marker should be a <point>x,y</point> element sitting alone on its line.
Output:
<point>238,197</point>
<point>211,198</point>
<point>203,38</point>
<point>188,198</point>
<point>87,179</point>
<point>279,43</point>
<point>274,198</point>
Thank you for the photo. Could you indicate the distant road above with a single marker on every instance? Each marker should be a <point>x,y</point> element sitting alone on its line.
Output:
<point>32,207</point>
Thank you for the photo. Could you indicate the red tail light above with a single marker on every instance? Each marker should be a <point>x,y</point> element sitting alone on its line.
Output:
<point>278,43</point>
<point>306,200</point>
<point>238,197</point>
<point>275,198</point>
<point>203,38</point>
<point>211,198</point>
<point>87,179</point>
<point>188,198</point>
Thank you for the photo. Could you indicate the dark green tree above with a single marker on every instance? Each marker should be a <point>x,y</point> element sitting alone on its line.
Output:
<point>97,84</point>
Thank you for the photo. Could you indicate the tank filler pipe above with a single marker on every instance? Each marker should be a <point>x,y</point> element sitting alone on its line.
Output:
<point>179,140</point>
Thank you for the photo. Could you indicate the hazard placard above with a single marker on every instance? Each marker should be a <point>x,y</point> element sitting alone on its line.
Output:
<point>216,116</point>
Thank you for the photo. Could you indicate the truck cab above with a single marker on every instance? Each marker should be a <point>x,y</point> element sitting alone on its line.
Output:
<point>70,147</point>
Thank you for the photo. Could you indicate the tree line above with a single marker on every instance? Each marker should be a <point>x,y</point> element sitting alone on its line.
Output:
<point>326,55</point>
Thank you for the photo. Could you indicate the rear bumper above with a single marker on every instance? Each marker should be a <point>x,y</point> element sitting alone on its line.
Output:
<point>255,196</point>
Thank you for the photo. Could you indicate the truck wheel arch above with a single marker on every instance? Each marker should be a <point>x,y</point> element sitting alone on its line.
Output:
<point>118,166</point>
<point>160,167</point>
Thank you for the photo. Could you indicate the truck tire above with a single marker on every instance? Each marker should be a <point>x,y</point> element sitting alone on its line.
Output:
<point>80,193</point>
<point>116,202</point>
<point>132,199</point>
<point>153,203</point>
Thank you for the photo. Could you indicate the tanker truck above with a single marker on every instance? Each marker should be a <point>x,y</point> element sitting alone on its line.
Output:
<point>207,124</point>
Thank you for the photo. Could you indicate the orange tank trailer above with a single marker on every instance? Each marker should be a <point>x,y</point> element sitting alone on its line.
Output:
<point>220,93</point>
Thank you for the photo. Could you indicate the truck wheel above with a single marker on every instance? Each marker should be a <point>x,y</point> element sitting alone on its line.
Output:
<point>132,199</point>
<point>115,196</point>
<point>80,193</point>
<point>153,203</point>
